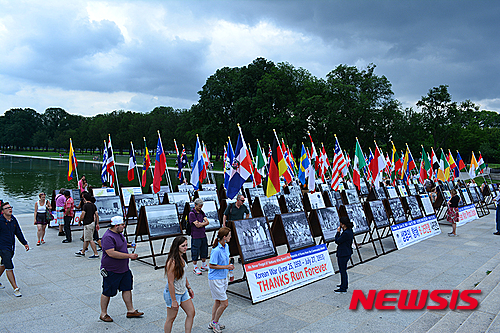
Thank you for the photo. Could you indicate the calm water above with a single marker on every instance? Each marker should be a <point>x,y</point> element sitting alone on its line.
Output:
<point>22,179</point>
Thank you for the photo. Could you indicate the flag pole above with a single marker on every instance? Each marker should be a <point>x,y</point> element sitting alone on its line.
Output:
<point>169,181</point>
<point>136,168</point>
<point>253,168</point>
<point>114,166</point>
<point>150,165</point>
<point>73,160</point>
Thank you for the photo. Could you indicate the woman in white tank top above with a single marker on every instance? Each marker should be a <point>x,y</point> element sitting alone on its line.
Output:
<point>41,207</point>
<point>177,291</point>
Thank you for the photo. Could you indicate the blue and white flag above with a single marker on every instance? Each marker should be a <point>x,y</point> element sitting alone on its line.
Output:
<point>241,168</point>
<point>197,166</point>
<point>227,164</point>
<point>104,173</point>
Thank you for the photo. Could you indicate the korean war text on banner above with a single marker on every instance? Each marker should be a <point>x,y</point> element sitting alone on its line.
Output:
<point>411,232</point>
<point>278,275</point>
<point>466,214</point>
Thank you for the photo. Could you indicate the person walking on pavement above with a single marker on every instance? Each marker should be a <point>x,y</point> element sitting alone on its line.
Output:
<point>90,219</point>
<point>115,270</point>
<point>9,227</point>
<point>42,206</point>
<point>69,213</point>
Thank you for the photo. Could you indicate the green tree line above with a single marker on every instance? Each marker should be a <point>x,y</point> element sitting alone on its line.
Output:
<point>349,103</point>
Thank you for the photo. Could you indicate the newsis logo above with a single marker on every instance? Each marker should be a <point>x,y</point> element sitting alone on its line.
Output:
<point>415,299</point>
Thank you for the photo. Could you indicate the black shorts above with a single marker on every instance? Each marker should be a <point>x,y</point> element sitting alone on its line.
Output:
<point>116,281</point>
<point>7,259</point>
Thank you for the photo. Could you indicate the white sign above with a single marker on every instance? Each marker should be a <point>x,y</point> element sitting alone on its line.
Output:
<point>392,192</point>
<point>103,192</point>
<point>466,214</point>
<point>277,275</point>
<point>402,191</point>
<point>127,193</point>
<point>411,232</point>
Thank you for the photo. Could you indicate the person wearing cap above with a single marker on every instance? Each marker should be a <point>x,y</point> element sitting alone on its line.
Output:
<point>115,270</point>
<point>90,219</point>
<point>343,239</point>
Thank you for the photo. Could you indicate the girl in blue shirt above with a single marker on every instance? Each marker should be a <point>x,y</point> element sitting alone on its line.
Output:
<point>217,276</point>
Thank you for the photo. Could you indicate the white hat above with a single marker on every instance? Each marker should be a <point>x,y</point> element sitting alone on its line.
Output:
<point>116,220</point>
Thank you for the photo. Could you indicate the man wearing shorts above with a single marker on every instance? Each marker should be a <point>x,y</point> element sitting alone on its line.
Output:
<point>8,228</point>
<point>199,243</point>
<point>90,219</point>
<point>114,269</point>
<point>69,212</point>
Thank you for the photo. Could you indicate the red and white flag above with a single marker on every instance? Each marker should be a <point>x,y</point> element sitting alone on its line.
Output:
<point>338,166</point>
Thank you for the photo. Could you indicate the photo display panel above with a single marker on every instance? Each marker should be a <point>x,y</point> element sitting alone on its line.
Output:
<point>357,216</point>
<point>255,239</point>
<point>398,213</point>
<point>352,196</point>
<point>426,202</point>
<point>465,196</point>
<point>379,214</point>
<point>446,195</point>
<point>415,211</point>
<point>391,191</point>
<point>363,187</point>
<point>451,186</point>
<point>210,210</point>
<point>256,192</point>
<point>103,192</point>
<point>145,200</point>
<point>324,187</point>
<point>208,196</point>
<point>316,200</point>
<point>473,194</point>
<point>107,207</point>
<point>402,190</point>
<point>162,220</point>
<point>338,196</point>
<point>297,230</point>
<point>479,194</point>
<point>209,187</point>
<point>127,193</point>
<point>331,196</point>
<point>413,189</point>
<point>380,193</point>
<point>75,195</point>
<point>293,203</point>
<point>329,221</point>
<point>270,206</point>
<point>420,188</point>
<point>178,198</point>
<point>161,193</point>
<point>492,189</point>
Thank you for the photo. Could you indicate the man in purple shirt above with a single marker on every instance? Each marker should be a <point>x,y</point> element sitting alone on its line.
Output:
<point>199,243</point>
<point>114,269</point>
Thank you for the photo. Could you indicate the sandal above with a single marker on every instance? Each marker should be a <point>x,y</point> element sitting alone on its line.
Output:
<point>38,243</point>
<point>43,242</point>
<point>106,318</point>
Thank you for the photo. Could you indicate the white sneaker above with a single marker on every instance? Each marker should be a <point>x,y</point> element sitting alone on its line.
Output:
<point>204,268</point>
<point>2,286</point>
<point>197,271</point>
<point>216,327</point>
<point>17,292</point>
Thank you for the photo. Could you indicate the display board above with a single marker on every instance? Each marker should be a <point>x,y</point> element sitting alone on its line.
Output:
<point>379,214</point>
<point>420,188</point>
<point>357,217</point>
<point>451,186</point>
<point>107,207</point>
<point>208,196</point>
<point>329,221</point>
<point>210,210</point>
<point>352,196</point>
<point>427,204</point>
<point>466,196</point>
<point>162,220</point>
<point>391,192</point>
<point>270,206</point>
<point>446,195</point>
<point>398,213</point>
<point>402,191</point>
<point>293,203</point>
<point>127,192</point>
<point>145,200</point>
<point>414,207</point>
<point>297,231</point>
<point>209,187</point>
<point>316,200</point>
<point>161,193</point>
<point>413,189</point>
<point>380,193</point>
<point>473,194</point>
<point>254,238</point>
<point>411,232</point>
<point>103,192</point>
<point>178,198</point>
<point>256,192</point>
<point>363,190</point>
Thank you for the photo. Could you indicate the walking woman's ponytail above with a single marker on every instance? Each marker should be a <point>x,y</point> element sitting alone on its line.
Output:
<point>223,232</point>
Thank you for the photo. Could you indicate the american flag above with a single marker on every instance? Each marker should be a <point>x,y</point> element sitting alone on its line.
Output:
<point>338,166</point>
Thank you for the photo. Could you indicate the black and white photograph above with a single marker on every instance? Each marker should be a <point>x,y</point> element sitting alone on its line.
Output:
<point>255,239</point>
<point>391,192</point>
<point>444,185</point>
<point>270,206</point>
<point>402,191</point>
<point>465,196</point>
<point>107,207</point>
<point>161,193</point>
<point>178,198</point>
<point>316,200</point>
<point>446,195</point>
<point>329,221</point>
<point>363,190</point>
<point>293,203</point>
<point>294,190</point>
<point>379,214</point>
<point>76,195</point>
<point>245,185</point>
<point>352,196</point>
<point>324,187</point>
<point>209,187</point>
<point>420,188</point>
<point>492,189</point>
<point>297,230</point>
<point>338,197</point>
<point>415,211</point>
<point>397,210</point>
<point>210,210</point>
<point>357,217</point>
<point>380,193</point>
<point>187,188</point>
<point>331,196</point>
<point>162,220</point>
<point>413,189</point>
<point>479,194</point>
<point>427,204</point>
<point>451,186</point>
<point>255,192</point>
<point>473,194</point>
<point>145,200</point>
<point>208,196</point>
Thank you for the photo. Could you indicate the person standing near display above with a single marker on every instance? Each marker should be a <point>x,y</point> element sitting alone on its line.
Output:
<point>42,206</point>
<point>81,185</point>
<point>453,212</point>
<point>60,201</point>
<point>9,227</point>
<point>217,276</point>
<point>199,243</point>
<point>69,213</point>
<point>343,239</point>
<point>90,219</point>
<point>236,210</point>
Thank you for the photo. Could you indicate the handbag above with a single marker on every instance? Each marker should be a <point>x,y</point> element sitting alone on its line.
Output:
<point>49,216</point>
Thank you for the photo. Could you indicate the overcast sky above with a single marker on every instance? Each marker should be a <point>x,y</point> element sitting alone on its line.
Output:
<point>92,57</point>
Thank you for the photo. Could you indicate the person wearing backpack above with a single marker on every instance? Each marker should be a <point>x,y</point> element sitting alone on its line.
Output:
<point>199,244</point>
<point>236,210</point>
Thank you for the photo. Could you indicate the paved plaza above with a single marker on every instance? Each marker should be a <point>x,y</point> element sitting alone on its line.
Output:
<point>61,292</point>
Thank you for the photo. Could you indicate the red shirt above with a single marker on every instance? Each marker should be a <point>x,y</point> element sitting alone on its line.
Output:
<point>69,204</point>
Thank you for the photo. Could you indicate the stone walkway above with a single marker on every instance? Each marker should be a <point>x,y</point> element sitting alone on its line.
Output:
<point>61,292</point>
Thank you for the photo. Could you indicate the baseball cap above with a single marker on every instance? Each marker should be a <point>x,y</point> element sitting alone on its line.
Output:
<point>116,220</point>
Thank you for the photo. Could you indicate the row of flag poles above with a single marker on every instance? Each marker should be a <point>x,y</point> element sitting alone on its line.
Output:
<point>241,165</point>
